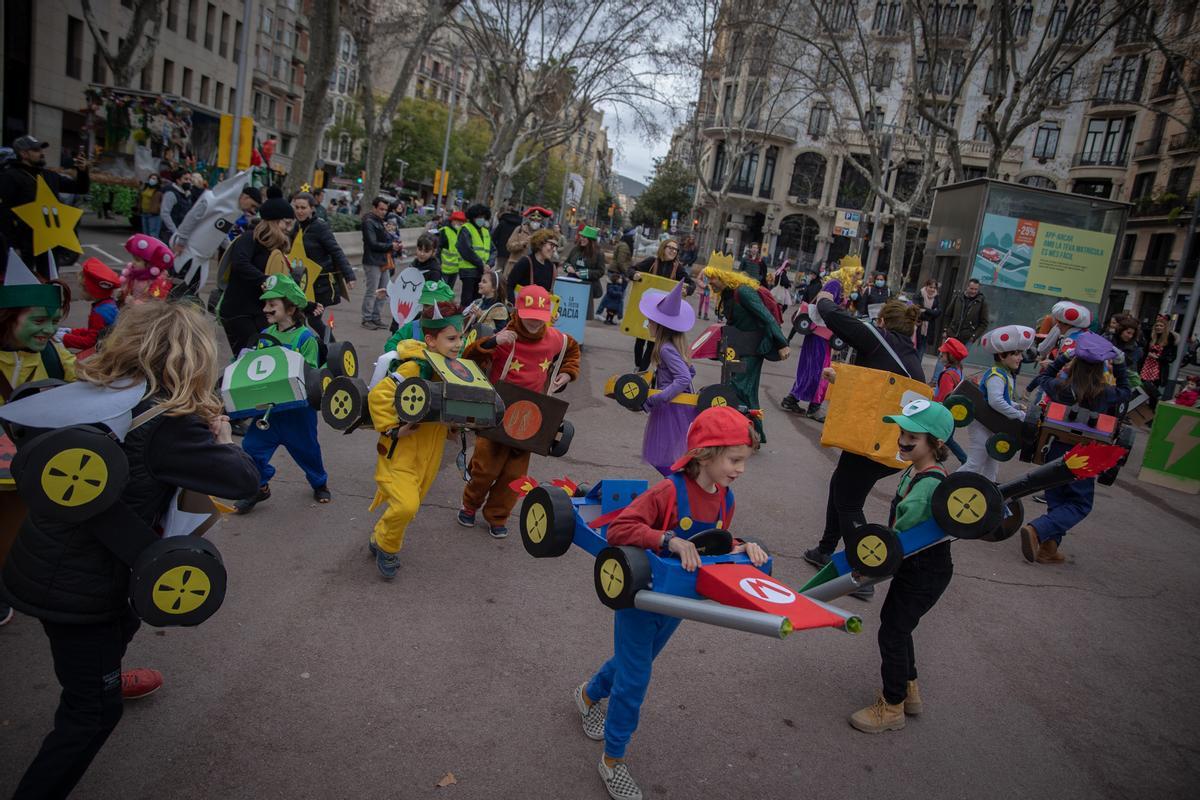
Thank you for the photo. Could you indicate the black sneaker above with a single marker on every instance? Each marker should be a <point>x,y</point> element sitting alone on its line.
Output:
<point>790,404</point>
<point>866,593</point>
<point>247,505</point>
<point>816,557</point>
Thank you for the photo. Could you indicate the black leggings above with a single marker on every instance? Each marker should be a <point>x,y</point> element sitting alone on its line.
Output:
<point>87,663</point>
<point>470,286</point>
<point>915,589</point>
<point>849,485</point>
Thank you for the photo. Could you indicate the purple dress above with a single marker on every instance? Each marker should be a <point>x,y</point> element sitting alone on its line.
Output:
<point>814,357</point>
<point>666,430</point>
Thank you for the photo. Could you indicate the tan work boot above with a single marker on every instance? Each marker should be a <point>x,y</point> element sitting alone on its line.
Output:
<point>1048,553</point>
<point>880,717</point>
<point>1029,543</point>
<point>912,702</point>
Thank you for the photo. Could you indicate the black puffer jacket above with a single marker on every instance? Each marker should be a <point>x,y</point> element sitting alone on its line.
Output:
<point>321,246</point>
<point>62,573</point>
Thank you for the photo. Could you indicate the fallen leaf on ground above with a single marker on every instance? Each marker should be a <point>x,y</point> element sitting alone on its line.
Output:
<point>446,780</point>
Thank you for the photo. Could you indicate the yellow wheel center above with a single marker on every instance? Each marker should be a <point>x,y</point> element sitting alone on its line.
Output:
<point>181,590</point>
<point>612,578</point>
<point>872,551</point>
<point>971,505</point>
<point>536,526</point>
<point>959,412</point>
<point>719,401</point>
<point>630,390</point>
<point>74,477</point>
<point>1003,446</point>
<point>349,365</point>
<point>413,399</point>
<point>339,404</point>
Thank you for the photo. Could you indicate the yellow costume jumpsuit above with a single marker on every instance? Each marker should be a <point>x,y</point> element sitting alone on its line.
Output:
<point>403,479</point>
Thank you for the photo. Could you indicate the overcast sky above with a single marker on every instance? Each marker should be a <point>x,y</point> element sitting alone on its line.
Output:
<point>635,158</point>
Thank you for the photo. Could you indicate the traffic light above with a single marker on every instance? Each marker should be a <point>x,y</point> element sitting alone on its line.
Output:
<point>362,176</point>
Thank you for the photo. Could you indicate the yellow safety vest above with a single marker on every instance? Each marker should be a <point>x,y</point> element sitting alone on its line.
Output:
<point>451,260</point>
<point>481,241</point>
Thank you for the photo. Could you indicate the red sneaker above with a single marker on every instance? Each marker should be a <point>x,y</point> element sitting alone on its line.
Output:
<point>137,683</point>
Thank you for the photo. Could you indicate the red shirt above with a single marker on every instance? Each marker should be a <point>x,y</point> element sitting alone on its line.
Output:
<point>652,513</point>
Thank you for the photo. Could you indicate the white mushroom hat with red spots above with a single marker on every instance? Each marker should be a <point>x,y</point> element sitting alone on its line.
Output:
<point>1072,314</point>
<point>1007,338</point>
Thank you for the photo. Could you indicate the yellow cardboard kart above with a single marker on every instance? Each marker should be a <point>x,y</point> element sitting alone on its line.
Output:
<point>858,401</point>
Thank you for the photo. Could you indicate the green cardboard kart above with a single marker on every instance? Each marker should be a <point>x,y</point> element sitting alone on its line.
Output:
<point>269,379</point>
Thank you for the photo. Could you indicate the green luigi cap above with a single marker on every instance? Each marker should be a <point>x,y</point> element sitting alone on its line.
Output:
<point>589,232</point>
<point>924,416</point>
<point>284,288</point>
<point>436,292</point>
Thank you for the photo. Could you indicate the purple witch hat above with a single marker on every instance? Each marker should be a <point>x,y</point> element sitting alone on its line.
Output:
<point>668,309</point>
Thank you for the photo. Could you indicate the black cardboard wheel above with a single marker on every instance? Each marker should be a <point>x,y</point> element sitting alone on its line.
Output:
<point>314,386</point>
<point>70,474</point>
<point>413,400</point>
<point>837,344</point>
<point>547,522</point>
<point>718,394</point>
<point>177,581</point>
<point>1010,524</point>
<point>344,403</point>
<point>967,505</point>
<point>631,391</point>
<point>1001,446</point>
<point>619,574</point>
<point>804,324</point>
<point>874,551</point>
<point>961,408</point>
<point>342,360</point>
<point>562,441</point>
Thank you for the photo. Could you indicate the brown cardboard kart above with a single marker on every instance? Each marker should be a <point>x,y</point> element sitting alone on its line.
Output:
<point>531,419</point>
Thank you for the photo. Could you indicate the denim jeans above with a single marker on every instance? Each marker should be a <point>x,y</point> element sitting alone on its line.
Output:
<point>372,306</point>
<point>151,224</point>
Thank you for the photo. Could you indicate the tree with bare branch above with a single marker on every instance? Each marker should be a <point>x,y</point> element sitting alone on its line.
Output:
<point>324,26</point>
<point>136,47</point>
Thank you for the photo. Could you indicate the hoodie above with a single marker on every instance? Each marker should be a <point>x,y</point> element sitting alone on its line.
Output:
<point>508,222</point>
<point>533,356</point>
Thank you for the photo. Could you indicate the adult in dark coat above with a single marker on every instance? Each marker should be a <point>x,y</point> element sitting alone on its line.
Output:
<point>506,224</point>
<point>855,475</point>
<point>321,246</point>
<point>666,264</point>
<point>378,247</point>
<point>18,186</point>
<point>966,316</point>
<point>240,310</point>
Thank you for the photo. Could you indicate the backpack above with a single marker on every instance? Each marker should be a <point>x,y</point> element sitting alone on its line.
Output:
<point>764,295</point>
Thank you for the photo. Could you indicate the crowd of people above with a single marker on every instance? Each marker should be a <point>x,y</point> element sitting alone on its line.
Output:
<point>502,271</point>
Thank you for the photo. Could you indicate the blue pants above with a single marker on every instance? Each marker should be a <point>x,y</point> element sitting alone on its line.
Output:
<point>296,430</point>
<point>638,638</point>
<point>1066,505</point>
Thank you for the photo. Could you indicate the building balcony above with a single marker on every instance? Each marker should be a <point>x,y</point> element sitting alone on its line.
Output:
<point>1183,142</point>
<point>717,126</point>
<point>1120,102</point>
<point>1098,159</point>
<point>913,145</point>
<point>1147,148</point>
<point>1169,207</point>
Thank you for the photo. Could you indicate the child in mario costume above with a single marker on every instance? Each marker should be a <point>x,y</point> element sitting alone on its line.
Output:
<point>98,283</point>
<point>405,470</point>
<point>1007,344</point>
<point>696,497</point>
<point>526,353</point>
<point>294,428</point>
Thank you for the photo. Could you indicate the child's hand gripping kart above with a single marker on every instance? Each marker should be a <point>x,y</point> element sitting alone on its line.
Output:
<point>273,377</point>
<point>965,505</point>
<point>71,468</point>
<point>727,590</point>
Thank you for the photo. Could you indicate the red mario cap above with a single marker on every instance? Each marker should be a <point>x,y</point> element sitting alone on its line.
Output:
<point>954,348</point>
<point>458,216</point>
<point>534,302</point>
<point>99,279</point>
<point>719,426</point>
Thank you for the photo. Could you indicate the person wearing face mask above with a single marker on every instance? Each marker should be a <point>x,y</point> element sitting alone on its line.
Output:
<point>517,244</point>
<point>475,249</point>
<point>18,186</point>
<point>508,223</point>
<point>176,203</point>
<point>877,293</point>
<point>150,206</point>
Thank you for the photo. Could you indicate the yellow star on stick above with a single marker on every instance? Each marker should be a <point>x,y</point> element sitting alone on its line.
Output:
<point>53,223</point>
<point>312,270</point>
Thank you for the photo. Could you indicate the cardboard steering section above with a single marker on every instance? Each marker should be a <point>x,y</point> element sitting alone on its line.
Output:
<point>858,401</point>
<point>531,420</point>
<point>1172,457</point>
<point>634,322</point>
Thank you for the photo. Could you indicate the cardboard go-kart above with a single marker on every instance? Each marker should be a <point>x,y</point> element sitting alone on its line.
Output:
<point>272,377</point>
<point>70,468</point>
<point>965,505</point>
<point>727,590</point>
<point>1031,437</point>
<point>808,322</point>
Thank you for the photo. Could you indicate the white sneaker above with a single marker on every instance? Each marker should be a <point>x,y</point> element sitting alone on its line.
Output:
<point>619,782</point>
<point>593,716</point>
<point>6,615</point>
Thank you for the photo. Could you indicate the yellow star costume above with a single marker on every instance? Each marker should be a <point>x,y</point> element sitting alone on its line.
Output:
<point>52,222</point>
<point>312,270</point>
<point>404,478</point>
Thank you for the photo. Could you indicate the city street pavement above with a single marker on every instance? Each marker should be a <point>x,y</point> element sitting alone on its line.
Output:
<point>319,680</point>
